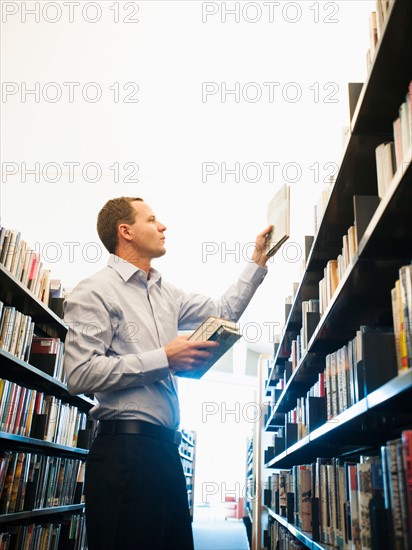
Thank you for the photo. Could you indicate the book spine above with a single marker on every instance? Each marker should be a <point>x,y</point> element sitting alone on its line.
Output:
<point>407,459</point>
<point>394,496</point>
<point>405,278</point>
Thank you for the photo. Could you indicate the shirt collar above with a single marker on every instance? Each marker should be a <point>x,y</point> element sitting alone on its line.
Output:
<point>126,270</point>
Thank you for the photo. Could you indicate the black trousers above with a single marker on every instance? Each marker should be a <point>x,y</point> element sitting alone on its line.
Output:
<point>136,497</point>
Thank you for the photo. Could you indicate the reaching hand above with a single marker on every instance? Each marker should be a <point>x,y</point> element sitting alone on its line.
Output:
<point>259,254</point>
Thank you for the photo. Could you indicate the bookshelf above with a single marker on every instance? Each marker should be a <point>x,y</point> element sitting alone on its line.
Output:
<point>187,451</point>
<point>345,432</point>
<point>248,490</point>
<point>44,434</point>
<point>249,483</point>
<point>257,480</point>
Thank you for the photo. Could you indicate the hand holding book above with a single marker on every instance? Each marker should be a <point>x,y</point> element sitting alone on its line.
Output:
<point>279,216</point>
<point>259,254</point>
<point>192,356</point>
<point>184,355</point>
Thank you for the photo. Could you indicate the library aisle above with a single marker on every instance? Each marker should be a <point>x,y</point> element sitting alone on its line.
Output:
<point>219,534</point>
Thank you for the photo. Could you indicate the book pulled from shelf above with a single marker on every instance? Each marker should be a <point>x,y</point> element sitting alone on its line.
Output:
<point>225,332</point>
<point>278,215</point>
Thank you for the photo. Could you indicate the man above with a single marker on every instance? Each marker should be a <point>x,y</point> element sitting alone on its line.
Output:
<point>122,346</point>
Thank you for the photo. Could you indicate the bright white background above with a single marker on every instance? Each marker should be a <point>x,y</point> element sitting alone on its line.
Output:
<point>169,51</point>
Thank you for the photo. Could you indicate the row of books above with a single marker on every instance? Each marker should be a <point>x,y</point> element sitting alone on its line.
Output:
<point>344,377</point>
<point>364,504</point>
<point>377,20</point>
<point>401,295</point>
<point>31,413</point>
<point>63,421</point>
<point>351,373</point>
<point>390,155</point>
<point>24,263</point>
<point>281,539</point>
<point>17,407</point>
<point>335,269</point>
<point>76,533</point>
<point>16,332</point>
<point>308,414</point>
<point>37,537</point>
<point>342,387</point>
<point>291,495</point>
<point>333,273</point>
<point>17,338</point>
<point>31,480</point>
<point>46,536</point>
<point>273,393</point>
<point>382,11</point>
<point>360,367</point>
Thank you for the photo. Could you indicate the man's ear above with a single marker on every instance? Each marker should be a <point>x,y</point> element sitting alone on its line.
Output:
<point>124,231</point>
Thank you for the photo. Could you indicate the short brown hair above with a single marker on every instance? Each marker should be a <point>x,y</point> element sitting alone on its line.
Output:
<point>113,213</point>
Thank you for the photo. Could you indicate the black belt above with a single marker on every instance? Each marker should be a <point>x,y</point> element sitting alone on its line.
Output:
<point>138,427</point>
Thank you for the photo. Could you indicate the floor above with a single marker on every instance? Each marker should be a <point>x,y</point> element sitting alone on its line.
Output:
<point>216,533</point>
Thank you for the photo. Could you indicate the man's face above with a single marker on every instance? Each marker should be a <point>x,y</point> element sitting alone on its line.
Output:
<point>147,232</point>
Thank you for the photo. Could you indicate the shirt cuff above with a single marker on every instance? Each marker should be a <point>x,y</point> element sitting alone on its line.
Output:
<point>254,273</point>
<point>153,366</point>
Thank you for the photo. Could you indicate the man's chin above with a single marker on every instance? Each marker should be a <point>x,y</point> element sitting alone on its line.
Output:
<point>160,253</point>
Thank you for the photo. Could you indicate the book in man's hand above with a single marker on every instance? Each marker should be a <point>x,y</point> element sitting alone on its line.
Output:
<point>216,329</point>
<point>278,215</point>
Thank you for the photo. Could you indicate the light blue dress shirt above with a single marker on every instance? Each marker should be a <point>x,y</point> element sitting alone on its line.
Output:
<point>118,322</point>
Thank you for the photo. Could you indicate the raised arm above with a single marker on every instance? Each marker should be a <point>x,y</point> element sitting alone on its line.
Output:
<point>196,307</point>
